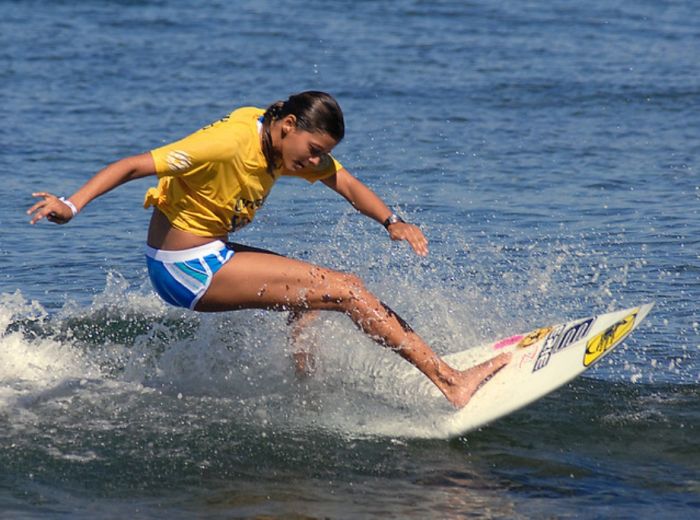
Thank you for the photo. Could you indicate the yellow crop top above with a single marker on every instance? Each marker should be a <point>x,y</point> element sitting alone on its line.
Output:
<point>213,181</point>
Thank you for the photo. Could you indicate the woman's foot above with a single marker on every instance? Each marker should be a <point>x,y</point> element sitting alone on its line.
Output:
<point>463,385</point>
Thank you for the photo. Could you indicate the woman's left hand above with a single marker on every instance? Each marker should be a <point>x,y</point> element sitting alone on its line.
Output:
<point>411,234</point>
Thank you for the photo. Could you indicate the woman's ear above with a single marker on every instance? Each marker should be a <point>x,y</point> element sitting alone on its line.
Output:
<point>289,123</point>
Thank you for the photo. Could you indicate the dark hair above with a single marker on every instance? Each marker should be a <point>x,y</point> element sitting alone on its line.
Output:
<point>315,112</point>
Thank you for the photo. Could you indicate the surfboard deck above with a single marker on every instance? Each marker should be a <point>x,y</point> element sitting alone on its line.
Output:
<point>543,360</point>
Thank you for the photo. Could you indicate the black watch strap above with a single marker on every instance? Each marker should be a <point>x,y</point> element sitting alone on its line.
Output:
<point>392,219</point>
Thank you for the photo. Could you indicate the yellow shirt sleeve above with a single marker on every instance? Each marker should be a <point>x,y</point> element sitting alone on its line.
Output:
<point>213,143</point>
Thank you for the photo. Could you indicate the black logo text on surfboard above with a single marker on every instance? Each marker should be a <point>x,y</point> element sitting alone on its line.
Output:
<point>560,338</point>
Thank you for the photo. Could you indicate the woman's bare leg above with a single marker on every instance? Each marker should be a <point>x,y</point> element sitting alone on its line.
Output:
<point>260,280</point>
<point>303,352</point>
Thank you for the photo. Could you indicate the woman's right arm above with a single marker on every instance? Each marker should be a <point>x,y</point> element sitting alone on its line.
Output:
<point>116,174</point>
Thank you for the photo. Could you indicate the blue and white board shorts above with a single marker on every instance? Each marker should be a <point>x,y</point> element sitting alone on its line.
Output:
<point>182,277</point>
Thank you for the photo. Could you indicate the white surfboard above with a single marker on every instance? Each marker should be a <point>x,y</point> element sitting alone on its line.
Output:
<point>543,360</point>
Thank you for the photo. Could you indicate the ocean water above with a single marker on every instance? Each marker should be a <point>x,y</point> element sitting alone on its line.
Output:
<point>549,150</point>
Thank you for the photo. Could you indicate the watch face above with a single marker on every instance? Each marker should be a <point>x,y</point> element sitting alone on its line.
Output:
<point>392,219</point>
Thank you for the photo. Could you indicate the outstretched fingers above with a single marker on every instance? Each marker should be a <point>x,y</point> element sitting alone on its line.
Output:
<point>49,207</point>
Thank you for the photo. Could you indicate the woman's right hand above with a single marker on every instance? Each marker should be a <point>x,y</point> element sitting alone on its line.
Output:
<point>51,208</point>
<point>129,168</point>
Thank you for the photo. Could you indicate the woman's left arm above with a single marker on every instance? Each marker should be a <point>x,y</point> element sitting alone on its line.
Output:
<point>368,203</point>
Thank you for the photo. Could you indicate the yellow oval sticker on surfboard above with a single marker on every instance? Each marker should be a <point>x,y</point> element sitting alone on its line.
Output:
<point>601,343</point>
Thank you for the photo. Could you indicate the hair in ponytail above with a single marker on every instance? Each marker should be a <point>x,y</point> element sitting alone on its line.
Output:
<point>271,114</point>
<point>314,111</point>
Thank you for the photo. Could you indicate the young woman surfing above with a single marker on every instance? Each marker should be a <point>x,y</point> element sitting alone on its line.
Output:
<point>212,183</point>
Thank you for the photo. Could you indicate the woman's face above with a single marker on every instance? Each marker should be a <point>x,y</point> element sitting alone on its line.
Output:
<point>301,149</point>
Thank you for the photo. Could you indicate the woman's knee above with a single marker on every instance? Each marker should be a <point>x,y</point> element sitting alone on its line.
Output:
<point>346,289</point>
<point>352,282</point>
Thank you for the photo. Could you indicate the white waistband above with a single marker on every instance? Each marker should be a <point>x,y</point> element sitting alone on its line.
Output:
<point>183,255</point>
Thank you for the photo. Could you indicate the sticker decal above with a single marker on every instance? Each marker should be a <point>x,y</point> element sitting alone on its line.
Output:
<point>561,338</point>
<point>534,336</point>
<point>507,342</point>
<point>528,357</point>
<point>601,343</point>
<point>178,160</point>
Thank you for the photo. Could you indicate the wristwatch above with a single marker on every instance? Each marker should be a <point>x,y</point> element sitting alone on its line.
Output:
<point>392,219</point>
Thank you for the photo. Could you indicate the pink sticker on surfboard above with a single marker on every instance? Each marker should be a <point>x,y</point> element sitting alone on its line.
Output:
<point>507,342</point>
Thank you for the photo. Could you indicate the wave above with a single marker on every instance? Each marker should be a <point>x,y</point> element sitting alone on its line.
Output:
<point>126,352</point>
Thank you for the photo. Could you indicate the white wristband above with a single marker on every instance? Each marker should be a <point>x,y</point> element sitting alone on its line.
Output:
<point>68,203</point>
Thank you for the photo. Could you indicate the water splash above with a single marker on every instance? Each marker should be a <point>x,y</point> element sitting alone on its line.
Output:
<point>126,344</point>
